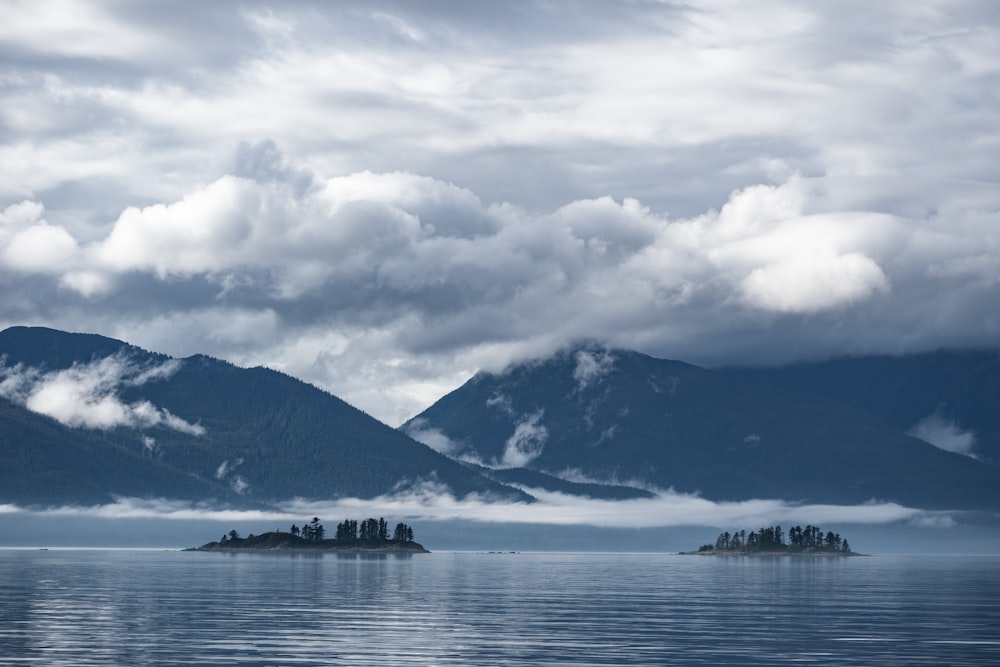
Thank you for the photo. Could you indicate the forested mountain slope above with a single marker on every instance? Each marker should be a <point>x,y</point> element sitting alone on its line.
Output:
<point>952,397</point>
<point>619,415</point>
<point>85,418</point>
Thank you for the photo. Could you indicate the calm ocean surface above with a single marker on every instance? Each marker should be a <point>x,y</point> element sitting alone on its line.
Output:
<point>169,608</point>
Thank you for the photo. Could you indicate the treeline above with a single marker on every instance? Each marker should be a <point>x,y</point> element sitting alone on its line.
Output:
<point>349,531</point>
<point>372,530</point>
<point>810,538</point>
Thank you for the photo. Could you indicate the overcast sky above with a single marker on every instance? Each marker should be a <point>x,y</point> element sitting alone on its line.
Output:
<point>383,197</point>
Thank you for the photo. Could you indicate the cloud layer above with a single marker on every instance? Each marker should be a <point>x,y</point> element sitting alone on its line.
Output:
<point>383,197</point>
<point>429,504</point>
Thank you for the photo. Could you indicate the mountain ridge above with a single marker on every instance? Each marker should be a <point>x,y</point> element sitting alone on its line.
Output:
<point>619,414</point>
<point>245,436</point>
<point>85,419</point>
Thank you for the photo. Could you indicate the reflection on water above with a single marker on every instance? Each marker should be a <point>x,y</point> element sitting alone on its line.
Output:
<point>160,608</point>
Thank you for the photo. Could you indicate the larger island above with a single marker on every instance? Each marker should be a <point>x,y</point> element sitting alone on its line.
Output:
<point>368,536</point>
<point>808,541</point>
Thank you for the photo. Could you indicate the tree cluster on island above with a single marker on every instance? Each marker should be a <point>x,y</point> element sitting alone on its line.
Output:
<point>810,539</point>
<point>368,534</point>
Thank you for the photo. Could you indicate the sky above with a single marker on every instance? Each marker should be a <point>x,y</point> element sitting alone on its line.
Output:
<point>382,198</point>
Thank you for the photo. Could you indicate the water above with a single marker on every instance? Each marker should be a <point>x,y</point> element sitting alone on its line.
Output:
<point>166,608</point>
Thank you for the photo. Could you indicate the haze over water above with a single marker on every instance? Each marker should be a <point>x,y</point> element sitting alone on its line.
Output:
<point>159,608</point>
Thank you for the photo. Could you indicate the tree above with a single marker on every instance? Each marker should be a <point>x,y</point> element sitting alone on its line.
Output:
<point>295,530</point>
<point>830,542</point>
<point>347,530</point>
<point>722,543</point>
<point>233,535</point>
<point>369,530</point>
<point>402,533</point>
<point>771,538</point>
<point>383,530</point>
<point>313,530</point>
<point>399,534</point>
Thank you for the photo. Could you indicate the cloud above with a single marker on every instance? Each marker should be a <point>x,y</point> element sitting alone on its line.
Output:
<point>86,395</point>
<point>945,434</point>
<point>652,96</point>
<point>69,29</point>
<point>194,235</point>
<point>427,503</point>
<point>421,431</point>
<point>32,245</point>
<point>228,469</point>
<point>933,520</point>
<point>322,277</point>
<point>813,283</point>
<point>527,442</point>
<point>591,367</point>
<point>42,248</point>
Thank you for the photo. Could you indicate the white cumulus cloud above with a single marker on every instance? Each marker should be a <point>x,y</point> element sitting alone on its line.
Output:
<point>811,283</point>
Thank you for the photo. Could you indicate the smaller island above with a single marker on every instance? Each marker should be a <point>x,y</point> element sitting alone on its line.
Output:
<point>770,541</point>
<point>370,536</point>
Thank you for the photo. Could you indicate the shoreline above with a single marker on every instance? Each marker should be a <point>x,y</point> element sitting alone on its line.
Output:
<point>773,554</point>
<point>318,549</point>
<point>278,542</point>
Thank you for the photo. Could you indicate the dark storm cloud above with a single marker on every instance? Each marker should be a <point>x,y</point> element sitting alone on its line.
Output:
<point>383,197</point>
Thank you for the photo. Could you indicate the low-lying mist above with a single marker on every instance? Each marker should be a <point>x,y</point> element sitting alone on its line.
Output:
<point>670,521</point>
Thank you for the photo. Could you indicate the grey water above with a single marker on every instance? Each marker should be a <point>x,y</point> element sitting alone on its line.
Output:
<point>92,607</point>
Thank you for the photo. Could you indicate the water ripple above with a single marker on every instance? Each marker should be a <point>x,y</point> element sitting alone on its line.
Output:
<point>149,608</point>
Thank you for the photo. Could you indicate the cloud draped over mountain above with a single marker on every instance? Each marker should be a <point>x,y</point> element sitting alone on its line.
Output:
<point>383,198</point>
<point>88,395</point>
<point>424,266</point>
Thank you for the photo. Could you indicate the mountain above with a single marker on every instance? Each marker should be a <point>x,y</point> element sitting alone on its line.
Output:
<point>621,416</point>
<point>84,418</point>
<point>950,398</point>
<point>47,464</point>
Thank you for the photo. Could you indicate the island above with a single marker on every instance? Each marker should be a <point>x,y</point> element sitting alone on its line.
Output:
<point>770,541</point>
<point>370,536</point>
